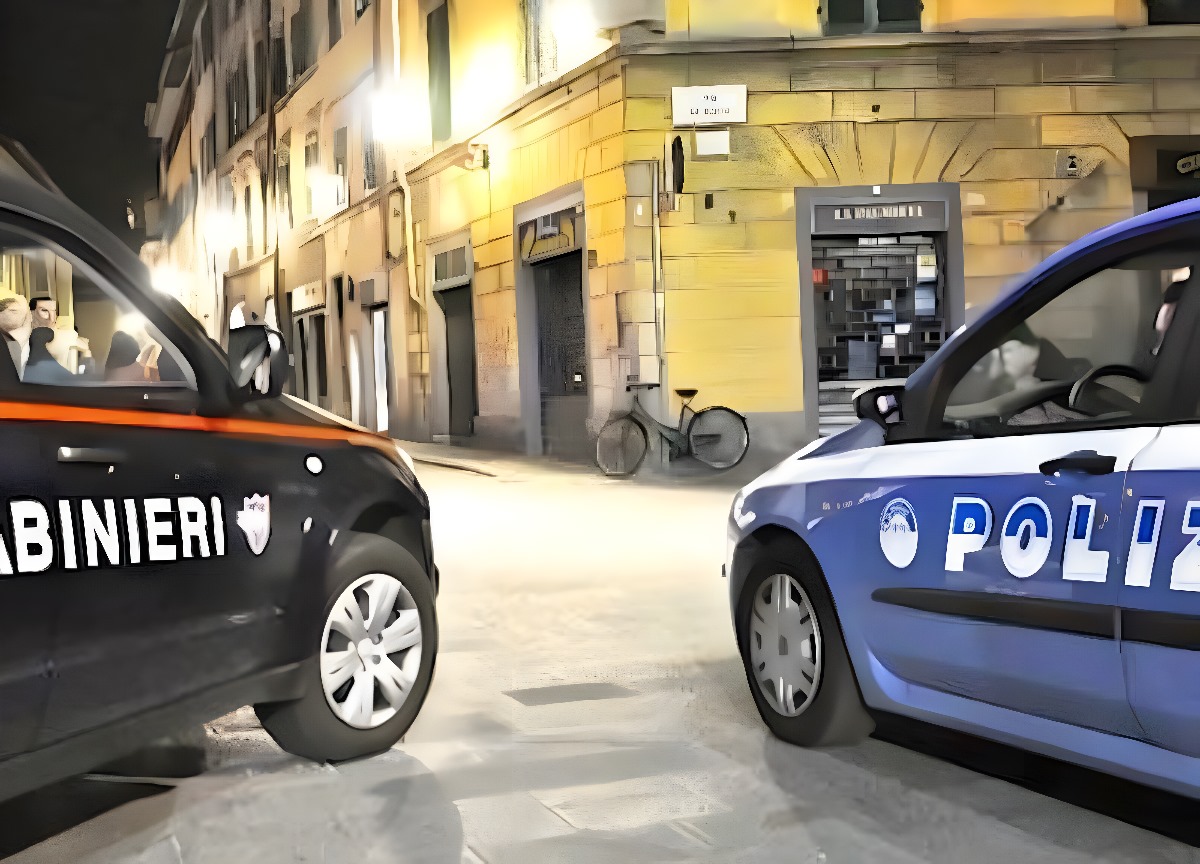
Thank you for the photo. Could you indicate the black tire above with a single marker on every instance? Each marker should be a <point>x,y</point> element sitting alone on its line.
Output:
<point>308,727</point>
<point>621,447</point>
<point>718,437</point>
<point>835,714</point>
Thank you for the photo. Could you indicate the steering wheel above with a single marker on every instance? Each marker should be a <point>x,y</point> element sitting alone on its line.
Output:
<point>1097,372</point>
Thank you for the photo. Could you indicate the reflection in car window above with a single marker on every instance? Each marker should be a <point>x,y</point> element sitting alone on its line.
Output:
<point>64,327</point>
<point>1117,317</point>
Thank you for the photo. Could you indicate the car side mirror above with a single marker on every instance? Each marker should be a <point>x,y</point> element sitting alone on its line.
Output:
<point>258,361</point>
<point>879,404</point>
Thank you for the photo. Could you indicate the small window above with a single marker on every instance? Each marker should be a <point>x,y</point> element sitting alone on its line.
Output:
<point>541,48</point>
<point>1173,11</point>
<point>301,41</point>
<point>438,33</point>
<point>279,66</point>
<point>360,7</point>
<point>312,158</point>
<point>451,264</point>
<point>206,41</point>
<point>869,16</point>
<point>67,328</point>
<point>283,176</point>
<point>339,163</point>
<point>249,224</point>
<point>335,22</point>
<point>260,78</point>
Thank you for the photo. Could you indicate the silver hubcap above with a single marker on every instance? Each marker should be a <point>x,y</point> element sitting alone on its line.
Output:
<point>785,645</point>
<point>371,651</point>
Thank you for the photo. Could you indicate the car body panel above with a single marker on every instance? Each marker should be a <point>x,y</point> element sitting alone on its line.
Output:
<point>1070,654</point>
<point>112,636</point>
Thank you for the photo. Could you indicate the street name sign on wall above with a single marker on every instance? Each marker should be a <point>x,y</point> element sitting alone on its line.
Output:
<point>700,106</point>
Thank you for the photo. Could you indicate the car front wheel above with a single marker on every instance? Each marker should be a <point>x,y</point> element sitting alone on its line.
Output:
<point>793,652</point>
<point>373,658</point>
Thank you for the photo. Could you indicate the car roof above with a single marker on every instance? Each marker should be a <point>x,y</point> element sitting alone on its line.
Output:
<point>27,189</point>
<point>1143,223</point>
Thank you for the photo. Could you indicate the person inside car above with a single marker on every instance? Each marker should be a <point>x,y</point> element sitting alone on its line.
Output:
<point>122,364</point>
<point>1171,297</point>
<point>69,348</point>
<point>17,322</point>
<point>41,367</point>
<point>1021,358</point>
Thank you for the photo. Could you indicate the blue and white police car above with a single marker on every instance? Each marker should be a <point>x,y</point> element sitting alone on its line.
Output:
<point>1008,544</point>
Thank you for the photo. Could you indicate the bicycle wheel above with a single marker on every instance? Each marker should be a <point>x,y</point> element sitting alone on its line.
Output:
<point>621,446</point>
<point>718,437</point>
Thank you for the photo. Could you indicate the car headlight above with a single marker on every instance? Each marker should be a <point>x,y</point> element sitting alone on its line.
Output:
<point>740,515</point>
<point>406,459</point>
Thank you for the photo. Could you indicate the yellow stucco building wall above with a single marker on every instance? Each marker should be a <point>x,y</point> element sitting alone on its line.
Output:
<point>997,117</point>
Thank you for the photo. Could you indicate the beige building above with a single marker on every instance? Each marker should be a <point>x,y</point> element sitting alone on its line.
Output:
<point>764,201</point>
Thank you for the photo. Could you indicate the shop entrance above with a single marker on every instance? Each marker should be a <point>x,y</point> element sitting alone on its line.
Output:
<point>562,357</point>
<point>881,288</point>
<point>312,372</point>
<point>880,304</point>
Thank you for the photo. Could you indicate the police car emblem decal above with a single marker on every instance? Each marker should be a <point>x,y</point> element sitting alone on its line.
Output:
<point>255,521</point>
<point>898,532</point>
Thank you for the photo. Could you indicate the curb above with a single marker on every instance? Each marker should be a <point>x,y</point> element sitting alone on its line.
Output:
<point>451,464</point>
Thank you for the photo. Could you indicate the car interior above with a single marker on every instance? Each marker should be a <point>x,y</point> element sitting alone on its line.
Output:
<point>1091,356</point>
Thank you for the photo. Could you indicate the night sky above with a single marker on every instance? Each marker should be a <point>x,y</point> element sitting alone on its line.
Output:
<point>75,77</point>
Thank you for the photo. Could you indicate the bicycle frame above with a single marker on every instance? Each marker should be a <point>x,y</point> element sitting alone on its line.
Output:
<point>676,438</point>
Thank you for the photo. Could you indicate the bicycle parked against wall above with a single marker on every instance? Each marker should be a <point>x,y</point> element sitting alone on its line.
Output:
<point>716,436</point>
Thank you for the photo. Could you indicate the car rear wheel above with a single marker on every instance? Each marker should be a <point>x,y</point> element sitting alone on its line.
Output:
<point>373,663</point>
<point>794,654</point>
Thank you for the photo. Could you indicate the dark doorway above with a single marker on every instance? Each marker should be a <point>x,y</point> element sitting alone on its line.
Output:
<point>311,358</point>
<point>562,357</point>
<point>460,357</point>
<point>1156,198</point>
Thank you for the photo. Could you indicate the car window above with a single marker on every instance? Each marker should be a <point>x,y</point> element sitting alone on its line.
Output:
<point>1116,318</point>
<point>64,326</point>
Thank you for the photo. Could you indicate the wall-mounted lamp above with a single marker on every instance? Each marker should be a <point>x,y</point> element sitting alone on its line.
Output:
<point>477,158</point>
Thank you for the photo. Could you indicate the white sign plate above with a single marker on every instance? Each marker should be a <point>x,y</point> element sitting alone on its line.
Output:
<point>699,106</point>
<point>1186,165</point>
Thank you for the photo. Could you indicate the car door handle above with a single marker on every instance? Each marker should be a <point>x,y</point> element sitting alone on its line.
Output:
<point>90,454</point>
<point>1083,462</point>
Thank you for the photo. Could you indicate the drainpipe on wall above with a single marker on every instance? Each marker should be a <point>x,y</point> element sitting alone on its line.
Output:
<point>656,270</point>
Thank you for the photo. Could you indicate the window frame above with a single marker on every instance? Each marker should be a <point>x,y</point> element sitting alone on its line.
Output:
<point>870,23</point>
<point>1152,5</point>
<point>313,137</point>
<point>214,386</point>
<point>334,13</point>
<point>441,105</point>
<point>341,159</point>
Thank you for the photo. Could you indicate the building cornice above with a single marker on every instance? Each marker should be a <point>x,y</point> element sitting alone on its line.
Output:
<point>910,40</point>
